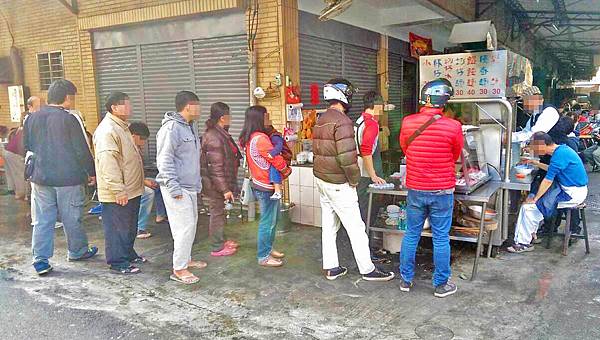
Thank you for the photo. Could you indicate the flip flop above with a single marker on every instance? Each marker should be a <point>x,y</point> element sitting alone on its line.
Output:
<point>131,270</point>
<point>277,254</point>
<point>197,264</point>
<point>144,235</point>
<point>186,280</point>
<point>271,262</point>
<point>139,259</point>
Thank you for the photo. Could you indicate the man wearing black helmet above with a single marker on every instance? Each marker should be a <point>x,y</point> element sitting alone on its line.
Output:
<point>432,143</point>
<point>338,174</point>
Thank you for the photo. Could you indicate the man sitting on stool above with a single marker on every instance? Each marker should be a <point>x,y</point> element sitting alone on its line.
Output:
<point>569,189</point>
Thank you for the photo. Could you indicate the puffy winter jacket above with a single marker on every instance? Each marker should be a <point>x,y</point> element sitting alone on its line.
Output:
<point>219,162</point>
<point>431,157</point>
<point>334,147</point>
<point>259,161</point>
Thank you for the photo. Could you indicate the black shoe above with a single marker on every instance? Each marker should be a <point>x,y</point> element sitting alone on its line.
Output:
<point>378,275</point>
<point>334,273</point>
<point>91,252</point>
<point>405,286</point>
<point>445,290</point>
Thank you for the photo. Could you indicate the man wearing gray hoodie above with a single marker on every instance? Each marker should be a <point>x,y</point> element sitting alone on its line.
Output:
<point>178,162</point>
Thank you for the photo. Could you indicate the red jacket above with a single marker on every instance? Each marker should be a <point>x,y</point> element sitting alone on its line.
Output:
<point>430,159</point>
<point>259,160</point>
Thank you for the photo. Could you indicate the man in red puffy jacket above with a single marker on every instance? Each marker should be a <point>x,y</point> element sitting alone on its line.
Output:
<point>432,144</point>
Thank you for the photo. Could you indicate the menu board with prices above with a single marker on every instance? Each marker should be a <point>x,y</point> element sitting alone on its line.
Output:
<point>473,75</point>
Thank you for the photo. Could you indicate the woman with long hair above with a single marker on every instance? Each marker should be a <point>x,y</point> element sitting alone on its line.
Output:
<point>219,165</point>
<point>257,146</point>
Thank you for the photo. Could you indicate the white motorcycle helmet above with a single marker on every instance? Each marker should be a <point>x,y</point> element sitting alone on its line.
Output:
<point>341,90</point>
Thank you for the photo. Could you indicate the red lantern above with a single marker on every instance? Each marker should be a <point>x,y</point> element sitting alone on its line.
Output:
<point>315,99</point>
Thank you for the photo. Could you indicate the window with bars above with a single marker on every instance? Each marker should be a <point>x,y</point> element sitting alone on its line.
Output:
<point>50,68</point>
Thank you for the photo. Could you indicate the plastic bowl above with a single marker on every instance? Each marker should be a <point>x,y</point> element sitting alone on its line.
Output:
<point>524,169</point>
<point>475,211</point>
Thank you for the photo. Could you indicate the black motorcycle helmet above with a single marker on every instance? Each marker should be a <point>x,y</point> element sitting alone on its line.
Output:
<point>436,92</point>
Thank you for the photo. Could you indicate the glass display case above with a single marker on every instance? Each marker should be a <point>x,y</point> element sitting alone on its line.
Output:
<point>471,168</point>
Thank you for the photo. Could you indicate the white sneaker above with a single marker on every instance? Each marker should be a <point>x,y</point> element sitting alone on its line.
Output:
<point>58,225</point>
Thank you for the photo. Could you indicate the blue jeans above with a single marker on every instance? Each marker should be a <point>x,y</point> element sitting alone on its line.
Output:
<point>46,204</point>
<point>274,175</point>
<point>438,208</point>
<point>160,204</point>
<point>145,208</point>
<point>269,213</point>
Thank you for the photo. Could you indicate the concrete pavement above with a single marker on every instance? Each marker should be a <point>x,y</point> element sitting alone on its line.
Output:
<point>539,295</point>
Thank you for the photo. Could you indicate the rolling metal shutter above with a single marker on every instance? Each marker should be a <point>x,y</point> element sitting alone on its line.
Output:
<point>221,74</point>
<point>395,79</point>
<point>165,71</point>
<point>360,68</point>
<point>320,61</point>
<point>117,69</point>
<point>395,116</point>
<point>152,74</point>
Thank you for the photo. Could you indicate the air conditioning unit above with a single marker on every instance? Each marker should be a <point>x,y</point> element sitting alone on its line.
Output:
<point>334,8</point>
<point>11,68</point>
<point>6,76</point>
<point>475,36</point>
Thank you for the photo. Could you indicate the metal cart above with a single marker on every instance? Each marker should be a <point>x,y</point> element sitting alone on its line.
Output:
<point>482,195</point>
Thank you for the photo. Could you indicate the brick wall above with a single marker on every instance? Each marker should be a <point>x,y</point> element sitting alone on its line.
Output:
<point>61,30</point>
<point>269,59</point>
<point>58,32</point>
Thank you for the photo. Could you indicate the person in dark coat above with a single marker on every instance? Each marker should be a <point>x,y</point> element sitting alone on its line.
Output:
<point>219,163</point>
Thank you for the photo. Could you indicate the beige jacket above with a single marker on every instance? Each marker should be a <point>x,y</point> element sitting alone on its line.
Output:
<point>119,166</point>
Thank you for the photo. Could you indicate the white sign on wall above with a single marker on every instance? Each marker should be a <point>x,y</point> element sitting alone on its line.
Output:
<point>473,75</point>
<point>16,103</point>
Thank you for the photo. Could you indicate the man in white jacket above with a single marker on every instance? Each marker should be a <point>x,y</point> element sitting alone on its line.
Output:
<point>542,119</point>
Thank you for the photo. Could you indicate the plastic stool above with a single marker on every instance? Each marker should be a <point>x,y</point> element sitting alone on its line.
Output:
<point>579,209</point>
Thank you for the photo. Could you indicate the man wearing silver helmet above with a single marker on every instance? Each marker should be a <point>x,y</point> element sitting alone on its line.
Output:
<point>432,143</point>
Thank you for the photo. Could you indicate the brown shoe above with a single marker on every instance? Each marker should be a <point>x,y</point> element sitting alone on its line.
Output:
<point>271,262</point>
<point>276,254</point>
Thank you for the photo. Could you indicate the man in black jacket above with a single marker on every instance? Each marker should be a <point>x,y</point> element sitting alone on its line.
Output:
<point>62,165</point>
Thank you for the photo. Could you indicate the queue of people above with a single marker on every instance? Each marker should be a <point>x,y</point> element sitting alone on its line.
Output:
<point>59,161</point>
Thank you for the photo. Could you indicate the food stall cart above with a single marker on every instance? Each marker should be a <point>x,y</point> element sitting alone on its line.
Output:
<point>482,82</point>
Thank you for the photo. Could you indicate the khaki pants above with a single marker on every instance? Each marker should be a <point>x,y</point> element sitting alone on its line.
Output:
<point>15,173</point>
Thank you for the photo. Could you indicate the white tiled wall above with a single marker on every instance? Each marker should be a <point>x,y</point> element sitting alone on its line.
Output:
<point>305,195</point>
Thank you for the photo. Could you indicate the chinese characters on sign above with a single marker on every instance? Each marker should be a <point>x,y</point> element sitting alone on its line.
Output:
<point>473,75</point>
<point>16,103</point>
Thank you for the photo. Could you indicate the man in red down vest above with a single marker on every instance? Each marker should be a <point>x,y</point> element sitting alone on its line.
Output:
<point>432,143</point>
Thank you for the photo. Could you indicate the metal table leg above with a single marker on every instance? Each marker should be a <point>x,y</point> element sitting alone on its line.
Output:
<point>490,245</point>
<point>479,240</point>
<point>369,214</point>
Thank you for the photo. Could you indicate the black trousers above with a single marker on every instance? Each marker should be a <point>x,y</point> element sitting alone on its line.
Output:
<point>120,231</point>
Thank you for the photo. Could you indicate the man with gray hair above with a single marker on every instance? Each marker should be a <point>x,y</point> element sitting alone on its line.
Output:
<point>542,118</point>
